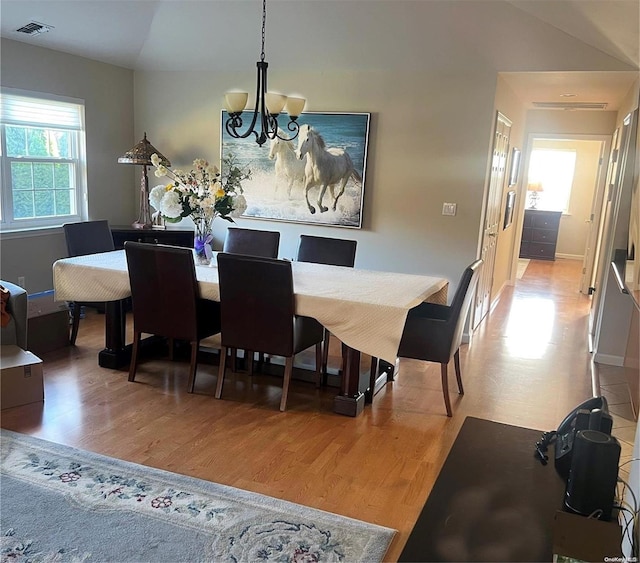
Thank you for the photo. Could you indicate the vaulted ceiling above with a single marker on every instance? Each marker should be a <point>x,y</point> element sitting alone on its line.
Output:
<point>224,35</point>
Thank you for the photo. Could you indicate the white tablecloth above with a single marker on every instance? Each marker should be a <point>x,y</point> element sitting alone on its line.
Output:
<point>365,309</point>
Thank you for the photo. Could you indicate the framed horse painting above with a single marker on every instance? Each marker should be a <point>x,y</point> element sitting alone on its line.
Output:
<point>316,178</point>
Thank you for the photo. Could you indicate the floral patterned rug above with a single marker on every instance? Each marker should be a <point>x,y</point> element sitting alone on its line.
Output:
<point>59,503</point>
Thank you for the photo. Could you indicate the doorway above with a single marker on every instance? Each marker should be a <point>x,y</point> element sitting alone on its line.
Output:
<point>579,196</point>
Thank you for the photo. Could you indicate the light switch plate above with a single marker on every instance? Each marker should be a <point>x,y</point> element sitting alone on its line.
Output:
<point>449,208</point>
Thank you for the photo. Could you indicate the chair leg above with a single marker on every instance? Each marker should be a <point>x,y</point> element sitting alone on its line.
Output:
<point>445,387</point>
<point>326,336</point>
<point>319,372</point>
<point>195,345</point>
<point>134,356</point>
<point>234,357</point>
<point>75,323</point>
<point>373,376</point>
<point>249,359</point>
<point>344,349</point>
<point>456,363</point>
<point>288,370</point>
<point>172,345</point>
<point>221,370</point>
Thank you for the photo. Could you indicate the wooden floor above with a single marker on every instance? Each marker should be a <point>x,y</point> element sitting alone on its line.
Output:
<point>528,365</point>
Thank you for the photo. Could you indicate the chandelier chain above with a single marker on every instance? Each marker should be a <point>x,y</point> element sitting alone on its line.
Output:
<point>264,22</point>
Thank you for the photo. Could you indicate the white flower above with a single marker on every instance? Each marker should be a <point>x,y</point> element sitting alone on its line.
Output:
<point>170,205</point>
<point>200,193</point>
<point>239,206</point>
<point>155,159</point>
<point>156,195</point>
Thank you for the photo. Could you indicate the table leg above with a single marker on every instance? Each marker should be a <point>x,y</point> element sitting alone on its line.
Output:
<point>351,400</point>
<point>115,354</point>
<point>382,372</point>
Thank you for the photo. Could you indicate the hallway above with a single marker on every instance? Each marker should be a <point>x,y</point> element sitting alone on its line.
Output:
<point>607,380</point>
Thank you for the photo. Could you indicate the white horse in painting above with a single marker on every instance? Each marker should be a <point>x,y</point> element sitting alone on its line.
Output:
<point>325,168</point>
<point>287,167</point>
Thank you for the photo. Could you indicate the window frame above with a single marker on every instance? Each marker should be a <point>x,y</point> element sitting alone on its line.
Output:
<point>8,223</point>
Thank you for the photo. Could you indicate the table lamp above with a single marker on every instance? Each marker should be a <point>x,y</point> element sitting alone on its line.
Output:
<point>141,154</point>
<point>533,189</point>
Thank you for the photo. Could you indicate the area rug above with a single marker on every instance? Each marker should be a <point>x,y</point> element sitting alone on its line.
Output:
<point>60,504</point>
<point>492,501</point>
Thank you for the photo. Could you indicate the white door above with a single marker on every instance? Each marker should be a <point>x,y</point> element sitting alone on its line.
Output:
<point>594,238</point>
<point>492,217</point>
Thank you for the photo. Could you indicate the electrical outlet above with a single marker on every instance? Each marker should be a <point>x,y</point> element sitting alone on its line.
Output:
<point>449,208</point>
<point>21,281</point>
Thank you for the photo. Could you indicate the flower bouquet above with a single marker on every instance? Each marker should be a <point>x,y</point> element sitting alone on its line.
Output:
<point>202,194</point>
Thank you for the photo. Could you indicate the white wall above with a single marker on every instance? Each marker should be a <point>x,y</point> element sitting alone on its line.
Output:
<point>431,148</point>
<point>108,94</point>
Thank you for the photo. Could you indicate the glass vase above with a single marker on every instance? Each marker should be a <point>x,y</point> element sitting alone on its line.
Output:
<point>202,240</point>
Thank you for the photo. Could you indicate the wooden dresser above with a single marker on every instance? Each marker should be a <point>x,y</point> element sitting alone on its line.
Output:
<point>174,237</point>
<point>540,234</point>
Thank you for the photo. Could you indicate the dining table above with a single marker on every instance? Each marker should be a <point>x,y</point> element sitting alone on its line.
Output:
<point>365,309</point>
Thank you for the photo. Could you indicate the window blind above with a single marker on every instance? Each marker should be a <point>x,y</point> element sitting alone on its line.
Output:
<point>21,110</point>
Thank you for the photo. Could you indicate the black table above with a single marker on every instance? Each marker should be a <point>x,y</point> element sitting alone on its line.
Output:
<point>493,500</point>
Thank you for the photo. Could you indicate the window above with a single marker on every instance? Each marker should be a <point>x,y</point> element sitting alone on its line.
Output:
<point>551,174</point>
<point>43,160</point>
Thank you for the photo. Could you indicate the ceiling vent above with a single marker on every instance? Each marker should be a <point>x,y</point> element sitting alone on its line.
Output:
<point>34,28</point>
<point>570,105</point>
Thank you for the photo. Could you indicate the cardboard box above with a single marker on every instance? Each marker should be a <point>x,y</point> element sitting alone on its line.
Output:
<point>21,380</point>
<point>578,538</point>
<point>48,323</point>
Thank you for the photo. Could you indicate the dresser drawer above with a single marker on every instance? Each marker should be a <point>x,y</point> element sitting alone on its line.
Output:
<point>547,220</point>
<point>542,251</point>
<point>544,235</point>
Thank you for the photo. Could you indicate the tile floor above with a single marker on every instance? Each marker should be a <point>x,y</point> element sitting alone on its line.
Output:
<point>613,386</point>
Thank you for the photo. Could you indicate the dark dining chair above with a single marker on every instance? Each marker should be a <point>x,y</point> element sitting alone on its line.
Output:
<point>166,300</point>
<point>252,242</point>
<point>86,237</point>
<point>433,333</point>
<point>325,250</point>
<point>333,252</point>
<point>257,312</point>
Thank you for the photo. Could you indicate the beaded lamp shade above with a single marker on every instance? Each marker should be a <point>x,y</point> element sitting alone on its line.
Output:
<point>141,154</point>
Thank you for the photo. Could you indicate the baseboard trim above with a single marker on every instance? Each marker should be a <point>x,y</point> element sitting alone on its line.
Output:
<point>608,359</point>
<point>570,256</point>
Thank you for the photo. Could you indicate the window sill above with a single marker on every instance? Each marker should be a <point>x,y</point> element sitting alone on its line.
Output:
<point>32,232</point>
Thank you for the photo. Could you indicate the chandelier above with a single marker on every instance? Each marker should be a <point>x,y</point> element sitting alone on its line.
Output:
<point>268,106</point>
